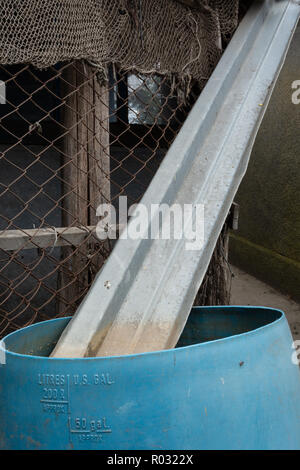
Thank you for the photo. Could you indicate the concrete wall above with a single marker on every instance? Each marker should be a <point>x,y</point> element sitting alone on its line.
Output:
<point>267,243</point>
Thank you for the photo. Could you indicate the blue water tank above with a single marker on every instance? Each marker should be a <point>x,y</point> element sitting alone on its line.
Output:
<point>230,384</point>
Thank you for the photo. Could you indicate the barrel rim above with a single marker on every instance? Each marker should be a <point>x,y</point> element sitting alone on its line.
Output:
<point>255,331</point>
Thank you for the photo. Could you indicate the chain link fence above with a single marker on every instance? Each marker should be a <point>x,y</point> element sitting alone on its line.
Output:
<point>71,139</point>
<point>75,135</point>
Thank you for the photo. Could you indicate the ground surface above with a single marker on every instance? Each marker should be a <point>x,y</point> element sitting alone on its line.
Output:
<point>247,290</point>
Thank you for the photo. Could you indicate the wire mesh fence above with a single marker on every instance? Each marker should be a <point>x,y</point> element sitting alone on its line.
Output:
<point>75,135</point>
<point>71,139</point>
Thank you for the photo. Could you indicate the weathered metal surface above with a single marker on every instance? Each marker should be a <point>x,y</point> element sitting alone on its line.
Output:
<point>141,299</point>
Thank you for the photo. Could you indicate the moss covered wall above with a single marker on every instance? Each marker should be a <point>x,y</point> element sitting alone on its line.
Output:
<point>267,243</point>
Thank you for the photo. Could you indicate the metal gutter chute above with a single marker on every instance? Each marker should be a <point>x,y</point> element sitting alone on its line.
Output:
<point>153,283</point>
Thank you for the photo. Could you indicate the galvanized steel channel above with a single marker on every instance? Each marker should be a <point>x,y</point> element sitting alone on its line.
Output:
<point>153,283</point>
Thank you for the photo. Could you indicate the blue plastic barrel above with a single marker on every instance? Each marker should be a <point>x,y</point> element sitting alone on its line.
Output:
<point>230,384</point>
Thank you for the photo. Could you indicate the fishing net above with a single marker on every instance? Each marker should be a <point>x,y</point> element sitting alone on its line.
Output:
<point>162,36</point>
